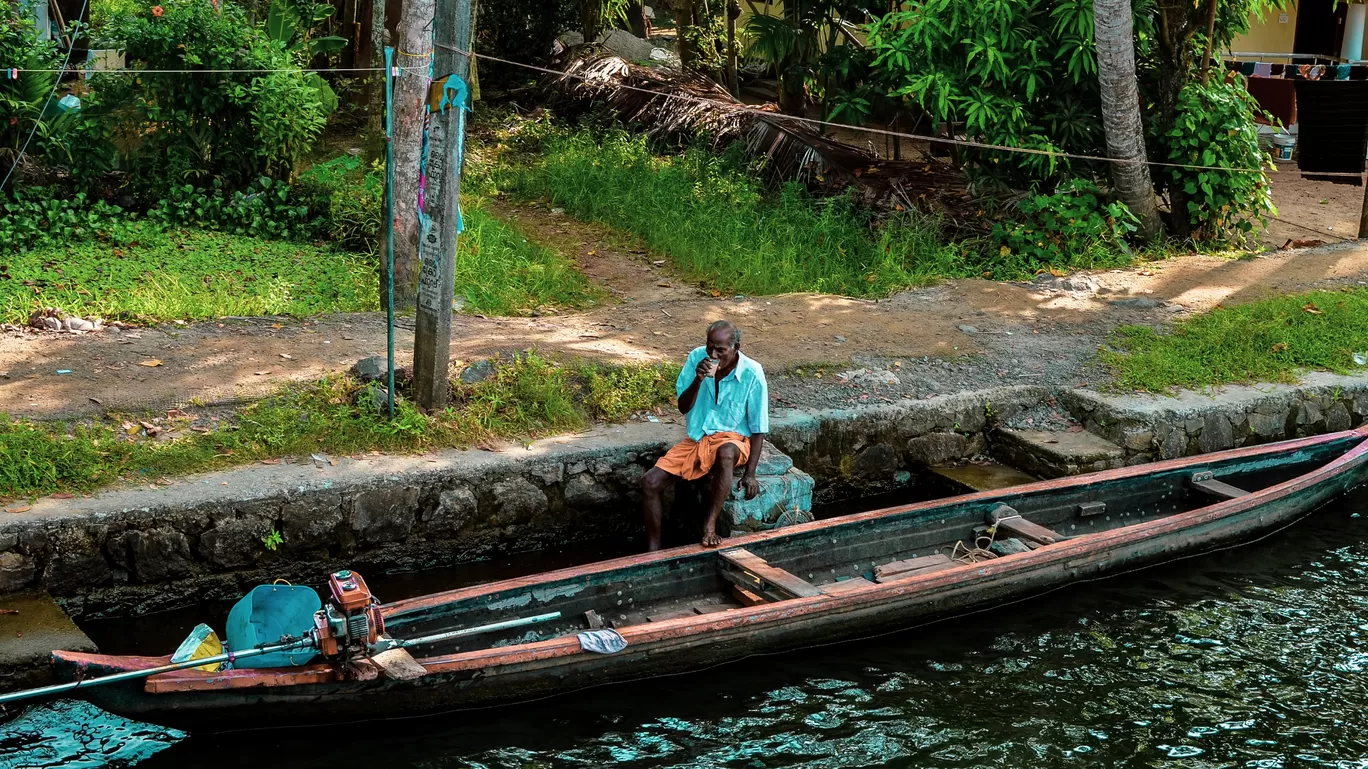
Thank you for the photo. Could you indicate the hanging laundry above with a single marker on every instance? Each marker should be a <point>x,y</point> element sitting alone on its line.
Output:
<point>1316,72</point>
<point>1247,68</point>
<point>1342,71</point>
<point>1279,70</point>
<point>1304,71</point>
<point>1263,69</point>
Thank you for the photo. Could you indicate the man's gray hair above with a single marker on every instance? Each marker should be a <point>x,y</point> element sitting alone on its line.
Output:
<point>726,325</point>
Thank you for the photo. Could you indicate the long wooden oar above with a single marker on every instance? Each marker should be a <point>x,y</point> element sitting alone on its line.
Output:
<point>287,646</point>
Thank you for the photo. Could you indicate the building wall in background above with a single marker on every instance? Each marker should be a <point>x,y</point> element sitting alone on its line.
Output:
<point>1269,34</point>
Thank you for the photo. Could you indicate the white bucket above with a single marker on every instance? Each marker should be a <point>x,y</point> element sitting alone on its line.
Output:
<point>1283,144</point>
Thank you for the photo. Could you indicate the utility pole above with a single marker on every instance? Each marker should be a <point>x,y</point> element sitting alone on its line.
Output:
<point>440,224</point>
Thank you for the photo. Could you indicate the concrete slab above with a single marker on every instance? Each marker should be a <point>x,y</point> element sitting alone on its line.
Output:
<point>989,476</point>
<point>28,637</point>
<point>1054,455</point>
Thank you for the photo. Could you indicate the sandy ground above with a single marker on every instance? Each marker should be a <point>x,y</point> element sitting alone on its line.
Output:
<point>959,335</point>
<point>1315,210</point>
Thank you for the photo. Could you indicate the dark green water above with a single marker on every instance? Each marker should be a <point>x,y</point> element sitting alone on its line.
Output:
<point>1254,657</point>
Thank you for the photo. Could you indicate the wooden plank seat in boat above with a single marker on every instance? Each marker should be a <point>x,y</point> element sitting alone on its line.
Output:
<point>754,574</point>
<point>1010,523</point>
<point>845,585</point>
<point>910,566</point>
<point>1207,482</point>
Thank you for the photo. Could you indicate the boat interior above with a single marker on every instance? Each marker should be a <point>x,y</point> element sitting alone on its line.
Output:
<point>843,553</point>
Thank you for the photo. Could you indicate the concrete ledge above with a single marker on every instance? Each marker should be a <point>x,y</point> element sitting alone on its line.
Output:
<point>1056,454</point>
<point>1151,427</point>
<point>29,635</point>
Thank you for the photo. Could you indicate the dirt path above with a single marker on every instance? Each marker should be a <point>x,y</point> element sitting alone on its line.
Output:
<point>959,335</point>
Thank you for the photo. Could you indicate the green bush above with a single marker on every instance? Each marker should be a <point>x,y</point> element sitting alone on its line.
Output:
<point>60,138</point>
<point>266,209</point>
<point>32,217</point>
<point>1215,127</point>
<point>347,199</point>
<point>177,129</point>
<point>1073,227</point>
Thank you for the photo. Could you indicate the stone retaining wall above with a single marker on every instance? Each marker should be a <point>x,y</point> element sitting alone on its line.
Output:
<point>138,550</point>
<point>1150,427</point>
<point>203,538</point>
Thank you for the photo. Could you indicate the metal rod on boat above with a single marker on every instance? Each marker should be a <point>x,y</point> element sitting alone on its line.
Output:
<point>465,631</point>
<point>128,675</point>
<point>301,644</point>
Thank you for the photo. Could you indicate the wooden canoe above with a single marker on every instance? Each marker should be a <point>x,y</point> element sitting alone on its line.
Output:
<point>819,582</point>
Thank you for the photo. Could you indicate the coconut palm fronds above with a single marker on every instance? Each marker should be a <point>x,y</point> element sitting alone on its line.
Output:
<point>668,102</point>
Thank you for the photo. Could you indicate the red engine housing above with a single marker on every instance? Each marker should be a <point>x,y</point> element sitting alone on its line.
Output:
<point>351,621</point>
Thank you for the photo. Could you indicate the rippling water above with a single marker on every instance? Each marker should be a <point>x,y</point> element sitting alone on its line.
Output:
<point>1255,657</point>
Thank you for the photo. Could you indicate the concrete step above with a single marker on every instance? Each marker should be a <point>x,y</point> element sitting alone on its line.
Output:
<point>1055,454</point>
<point>989,476</point>
<point>28,636</point>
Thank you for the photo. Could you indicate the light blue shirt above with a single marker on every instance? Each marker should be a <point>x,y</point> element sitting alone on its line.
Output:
<point>738,403</point>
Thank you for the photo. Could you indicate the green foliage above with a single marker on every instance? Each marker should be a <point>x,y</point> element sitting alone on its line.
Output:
<point>266,209</point>
<point>1066,228</point>
<point>348,198</point>
<point>527,396</point>
<point>148,274</point>
<point>613,393</point>
<point>1016,73</point>
<point>273,540</point>
<point>1268,340</point>
<point>234,127</point>
<point>722,228</point>
<point>1215,127</point>
<point>59,138</point>
<point>289,23</point>
<point>501,272</point>
<point>521,31</point>
<point>33,217</point>
<point>255,252</point>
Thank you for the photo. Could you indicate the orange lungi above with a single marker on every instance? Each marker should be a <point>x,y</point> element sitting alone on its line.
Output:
<point>691,460</point>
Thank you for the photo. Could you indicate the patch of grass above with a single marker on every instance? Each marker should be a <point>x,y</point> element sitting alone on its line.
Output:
<point>1268,340</point>
<point>614,392</point>
<point>527,396</point>
<point>188,274</point>
<point>723,229</point>
<point>500,272</point>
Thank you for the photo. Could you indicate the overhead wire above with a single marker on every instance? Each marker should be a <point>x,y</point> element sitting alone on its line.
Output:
<point>737,106</point>
<point>701,100</point>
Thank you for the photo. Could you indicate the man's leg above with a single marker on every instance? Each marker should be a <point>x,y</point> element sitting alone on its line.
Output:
<point>653,499</point>
<point>722,473</point>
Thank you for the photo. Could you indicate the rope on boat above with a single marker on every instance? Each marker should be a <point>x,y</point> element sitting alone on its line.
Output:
<point>983,544</point>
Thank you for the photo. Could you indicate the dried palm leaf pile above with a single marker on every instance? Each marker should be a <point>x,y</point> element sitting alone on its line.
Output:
<point>672,103</point>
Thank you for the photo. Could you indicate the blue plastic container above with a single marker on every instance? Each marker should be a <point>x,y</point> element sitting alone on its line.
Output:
<point>264,616</point>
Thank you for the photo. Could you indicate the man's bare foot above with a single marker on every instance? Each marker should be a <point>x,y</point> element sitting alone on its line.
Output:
<point>710,539</point>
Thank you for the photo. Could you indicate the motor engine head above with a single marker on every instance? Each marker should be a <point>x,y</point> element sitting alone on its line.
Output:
<point>350,622</point>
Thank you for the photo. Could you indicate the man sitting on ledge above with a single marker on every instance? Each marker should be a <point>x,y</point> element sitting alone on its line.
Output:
<point>726,400</point>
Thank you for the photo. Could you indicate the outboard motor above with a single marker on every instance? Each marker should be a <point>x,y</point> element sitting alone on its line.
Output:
<point>349,624</point>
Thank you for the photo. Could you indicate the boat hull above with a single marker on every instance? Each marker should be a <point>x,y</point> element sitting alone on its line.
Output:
<point>517,673</point>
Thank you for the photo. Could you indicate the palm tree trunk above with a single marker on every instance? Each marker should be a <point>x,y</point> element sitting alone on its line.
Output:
<point>733,83</point>
<point>410,114</point>
<point>1115,40</point>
